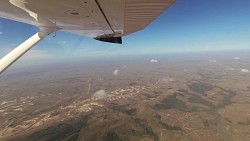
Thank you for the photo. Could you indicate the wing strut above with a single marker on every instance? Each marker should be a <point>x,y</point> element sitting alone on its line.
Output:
<point>10,58</point>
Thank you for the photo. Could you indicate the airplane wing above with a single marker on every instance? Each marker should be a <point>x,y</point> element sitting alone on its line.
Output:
<point>92,18</point>
<point>104,20</point>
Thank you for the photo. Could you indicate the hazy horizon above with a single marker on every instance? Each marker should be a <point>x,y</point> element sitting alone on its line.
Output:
<point>183,28</point>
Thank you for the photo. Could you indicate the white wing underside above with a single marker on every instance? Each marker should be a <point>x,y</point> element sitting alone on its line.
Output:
<point>90,18</point>
<point>104,20</point>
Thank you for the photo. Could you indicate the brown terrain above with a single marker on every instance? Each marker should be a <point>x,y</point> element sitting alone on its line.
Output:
<point>167,100</point>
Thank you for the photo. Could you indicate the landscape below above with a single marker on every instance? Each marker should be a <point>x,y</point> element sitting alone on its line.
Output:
<point>128,100</point>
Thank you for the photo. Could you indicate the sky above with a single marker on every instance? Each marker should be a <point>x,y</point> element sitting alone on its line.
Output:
<point>187,26</point>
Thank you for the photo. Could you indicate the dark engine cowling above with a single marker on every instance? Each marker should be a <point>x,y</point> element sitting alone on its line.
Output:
<point>117,40</point>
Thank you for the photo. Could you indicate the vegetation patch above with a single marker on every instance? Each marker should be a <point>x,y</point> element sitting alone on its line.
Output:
<point>150,96</point>
<point>208,123</point>
<point>169,127</point>
<point>200,87</point>
<point>227,99</point>
<point>123,109</point>
<point>244,123</point>
<point>171,102</point>
<point>132,84</point>
<point>59,132</point>
<point>145,130</point>
<point>73,137</point>
<point>119,108</point>
<point>112,136</point>
<point>199,100</point>
<point>131,111</point>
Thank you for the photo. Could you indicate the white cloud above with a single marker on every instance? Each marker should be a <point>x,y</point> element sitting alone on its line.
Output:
<point>212,61</point>
<point>1,33</point>
<point>236,58</point>
<point>244,70</point>
<point>167,79</point>
<point>153,61</point>
<point>124,66</point>
<point>229,68</point>
<point>101,94</point>
<point>115,72</point>
<point>171,80</point>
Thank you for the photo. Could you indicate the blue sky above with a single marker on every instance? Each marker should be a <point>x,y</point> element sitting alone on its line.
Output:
<point>187,26</point>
